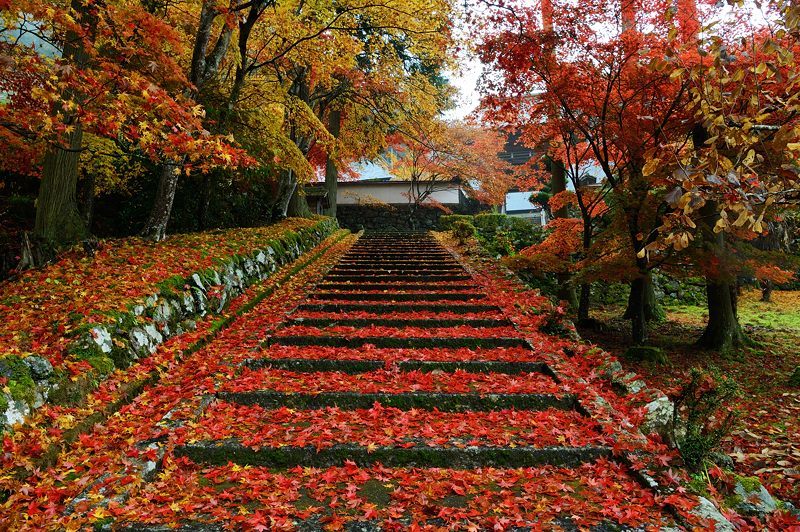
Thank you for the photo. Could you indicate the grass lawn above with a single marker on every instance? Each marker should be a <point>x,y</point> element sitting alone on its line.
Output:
<point>766,441</point>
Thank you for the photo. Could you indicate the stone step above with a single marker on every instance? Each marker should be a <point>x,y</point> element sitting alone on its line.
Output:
<point>408,273</point>
<point>398,322</point>
<point>222,452</point>
<point>410,257</point>
<point>397,248</point>
<point>383,341</point>
<point>402,296</point>
<point>445,402</point>
<point>428,278</point>
<point>396,254</point>
<point>519,500</point>
<point>395,307</point>
<point>433,287</point>
<point>354,366</point>
<point>397,266</point>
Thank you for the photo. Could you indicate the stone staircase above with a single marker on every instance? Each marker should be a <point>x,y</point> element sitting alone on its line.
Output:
<point>397,366</point>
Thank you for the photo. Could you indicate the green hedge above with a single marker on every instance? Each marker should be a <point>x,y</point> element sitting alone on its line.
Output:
<point>499,234</point>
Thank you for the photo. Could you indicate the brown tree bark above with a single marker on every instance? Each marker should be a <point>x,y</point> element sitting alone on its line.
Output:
<point>723,331</point>
<point>331,172</point>
<point>58,221</point>
<point>558,183</point>
<point>155,227</point>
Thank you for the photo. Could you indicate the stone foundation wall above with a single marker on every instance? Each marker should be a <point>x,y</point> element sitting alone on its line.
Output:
<point>386,217</point>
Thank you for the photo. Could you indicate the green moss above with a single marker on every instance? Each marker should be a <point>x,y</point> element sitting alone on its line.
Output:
<point>126,320</point>
<point>376,492</point>
<point>794,380</point>
<point>85,350</point>
<point>70,393</point>
<point>121,357</point>
<point>698,484</point>
<point>102,524</point>
<point>103,364</point>
<point>20,383</point>
<point>648,354</point>
<point>749,483</point>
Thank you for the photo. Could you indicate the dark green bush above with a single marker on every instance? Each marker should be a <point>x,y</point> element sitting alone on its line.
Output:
<point>462,230</point>
<point>446,221</point>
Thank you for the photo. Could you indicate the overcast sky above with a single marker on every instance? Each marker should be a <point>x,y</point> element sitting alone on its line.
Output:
<point>465,81</point>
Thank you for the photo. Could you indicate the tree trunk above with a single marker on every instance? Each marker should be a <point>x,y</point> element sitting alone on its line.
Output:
<point>636,310</point>
<point>287,183</point>
<point>331,172</point>
<point>87,199</point>
<point>156,226</point>
<point>766,291</point>
<point>652,310</point>
<point>298,205</point>
<point>723,331</point>
<point>58,220</point>
<point>558,183</point>
<point>584,302</point>
<point>206,191</point>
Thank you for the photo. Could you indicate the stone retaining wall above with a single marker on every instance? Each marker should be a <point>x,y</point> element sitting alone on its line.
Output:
<point>386,217</point>
<point>138,332</point>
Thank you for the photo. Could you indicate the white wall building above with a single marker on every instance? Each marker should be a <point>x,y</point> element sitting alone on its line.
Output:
<point>518,204</point>
<point>394,193</point>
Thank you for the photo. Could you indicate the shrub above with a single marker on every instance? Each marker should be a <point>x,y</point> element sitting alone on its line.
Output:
<point>794,380</point>
<point>703,414</point>
<point>462,231</point>
<point>649,354</point>
<point>446,221</point>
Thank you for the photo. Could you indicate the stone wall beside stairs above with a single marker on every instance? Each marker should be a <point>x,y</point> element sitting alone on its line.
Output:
<point>135,333</point>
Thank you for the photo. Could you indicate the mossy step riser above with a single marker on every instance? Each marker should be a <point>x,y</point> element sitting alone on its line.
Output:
<point>401,267</point>
<point>349,296</point>
<point>357,252</point>
<point>397,253</point>
<point>369,272</point>
<point>400,257</point>
<point>381,261</point>
<point>445,402</point>
<point>391,322</point>
<point>401,343</point>
<point>215,453</point>
<point>395,286</point>
<point>394,278</point>
<point>354,367</point>
<point>399,307</point>
<point>416,250</point>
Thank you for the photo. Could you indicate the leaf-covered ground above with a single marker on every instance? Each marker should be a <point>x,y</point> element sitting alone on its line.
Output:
<point>766,442</point>
<point>239,428</point>
<point>40,308</point>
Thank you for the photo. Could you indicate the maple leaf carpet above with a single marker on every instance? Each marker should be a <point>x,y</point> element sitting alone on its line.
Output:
<point>395,396</point>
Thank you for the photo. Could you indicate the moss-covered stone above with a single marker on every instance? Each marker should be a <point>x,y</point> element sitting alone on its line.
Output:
<point>67,392</point>
<point>376,492</point>
<point>648,354</point>
<point>20,381</point>
<point>445,402</point>
<point>219,453</point>
<point>794,380</point>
